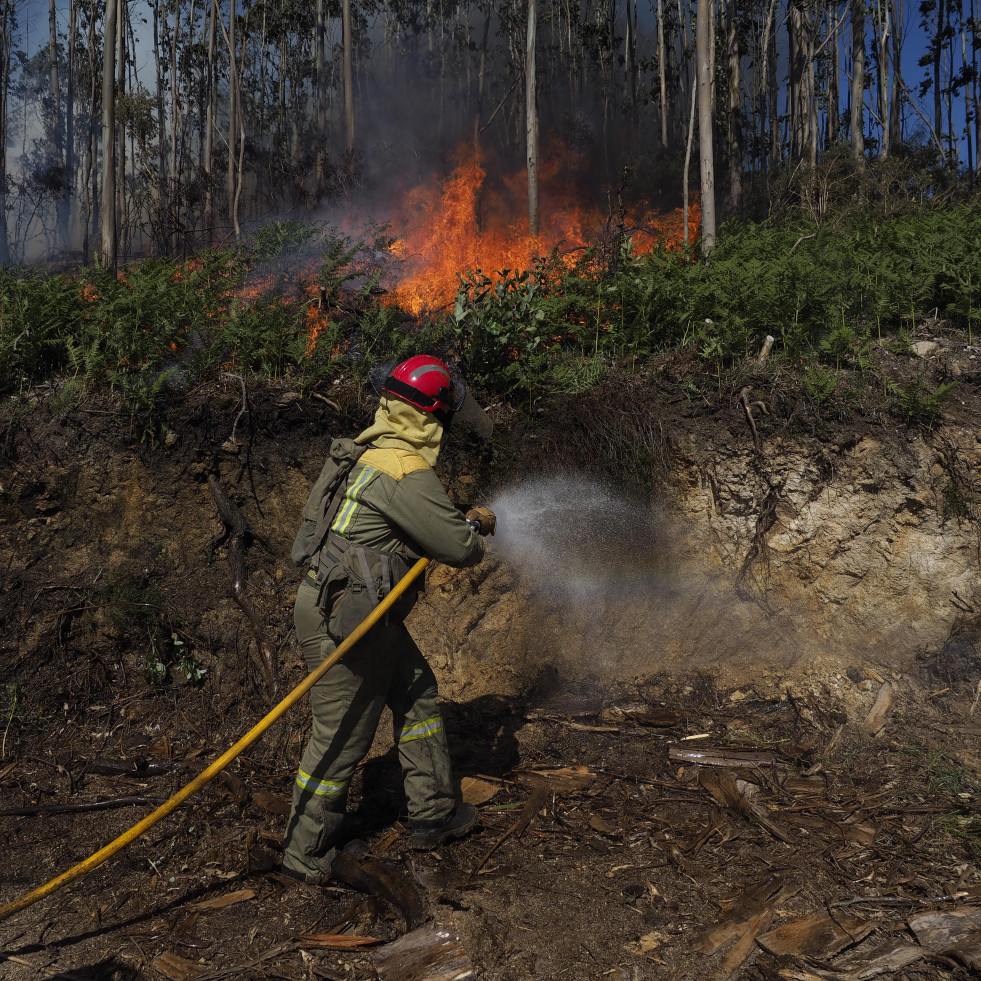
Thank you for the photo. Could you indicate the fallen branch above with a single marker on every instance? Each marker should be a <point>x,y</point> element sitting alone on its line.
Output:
<point>236,534</point>
<point>94,805</point>
<point>711,756</point>
<point>532,806</point>
<point>138,767</point>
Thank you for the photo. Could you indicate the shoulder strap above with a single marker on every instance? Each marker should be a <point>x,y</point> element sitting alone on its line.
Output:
<point>346,453</point>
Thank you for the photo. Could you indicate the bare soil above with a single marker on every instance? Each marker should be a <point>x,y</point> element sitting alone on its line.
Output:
<point>678,824</point>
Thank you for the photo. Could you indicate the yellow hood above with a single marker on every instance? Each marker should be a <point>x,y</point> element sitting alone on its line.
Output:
<point>399,425</point>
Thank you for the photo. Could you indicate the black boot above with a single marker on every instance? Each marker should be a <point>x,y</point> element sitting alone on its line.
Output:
<point>431,834</point>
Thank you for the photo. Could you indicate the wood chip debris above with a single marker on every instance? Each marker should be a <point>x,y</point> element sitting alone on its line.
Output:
<point>220,902</point>
<point>177,968</point>
<point>475,791</point>
<point>335,941</point>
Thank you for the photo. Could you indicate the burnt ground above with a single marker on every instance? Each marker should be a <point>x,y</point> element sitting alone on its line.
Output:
<point>683,825</point>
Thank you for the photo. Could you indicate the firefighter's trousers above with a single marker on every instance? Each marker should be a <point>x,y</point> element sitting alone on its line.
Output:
<point>384,668</point>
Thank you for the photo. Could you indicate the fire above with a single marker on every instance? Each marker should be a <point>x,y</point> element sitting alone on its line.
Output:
<point>471,222</point>
<point>465,222</point>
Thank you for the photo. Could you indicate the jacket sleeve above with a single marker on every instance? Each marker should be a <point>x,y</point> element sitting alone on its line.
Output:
<point>420,507</point>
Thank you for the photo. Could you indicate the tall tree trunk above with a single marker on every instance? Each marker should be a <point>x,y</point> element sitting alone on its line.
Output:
<point>662,73</point>
<point>968,135</point>
<point>896,95</point>
<point>123,230</point>
<point>56,137</point>
<point>209,127</point>
<point>234,121</point>
<point>975,24</point>
<point>689,139</point>
<point>320,98</point>
<point>773,89</point>
<point>162,206</point>
<point>976,78</point>
<point>705,75</point>
<point>811,99</point>
<point>170,161</point>
<point>735,109</point>
<point>109,242</point>
<point>531,118</point>
<point>832,130</point>
<point>481,81</point>
<point>798,81</point>
<point>883,29</point>
<point>91,217</point>
<point>938,47</point>
<point>856,123</point>
<point>70,123</point>
<point>349,144</point>
<point>6,44</point>
<point>630,67</point>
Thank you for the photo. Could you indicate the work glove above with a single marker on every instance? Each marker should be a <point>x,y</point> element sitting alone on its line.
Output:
<point>482,520</point>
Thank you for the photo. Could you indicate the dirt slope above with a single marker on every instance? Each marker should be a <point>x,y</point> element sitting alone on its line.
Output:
<point>792,597</point>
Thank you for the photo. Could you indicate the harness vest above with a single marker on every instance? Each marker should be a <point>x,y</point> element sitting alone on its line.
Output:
<point>352,578</point>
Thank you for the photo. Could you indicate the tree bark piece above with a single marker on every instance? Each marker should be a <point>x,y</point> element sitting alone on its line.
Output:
<point>820,936</point>
<point>382,880</point>
<point>879,713</point>
<point>430,953</point>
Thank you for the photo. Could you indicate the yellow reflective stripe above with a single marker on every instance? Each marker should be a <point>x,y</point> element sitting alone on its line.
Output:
<point>421,730</point>
<point>319,788</point>
<point>350,504</point>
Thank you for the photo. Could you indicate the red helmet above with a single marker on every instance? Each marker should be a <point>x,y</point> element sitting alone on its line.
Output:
<point>426,383</point>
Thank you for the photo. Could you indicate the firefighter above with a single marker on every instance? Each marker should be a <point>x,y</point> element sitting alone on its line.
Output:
<point>376,508</point>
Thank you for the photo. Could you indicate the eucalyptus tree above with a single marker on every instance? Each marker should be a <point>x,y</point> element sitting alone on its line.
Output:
<point>109,246</point>
<point>210,85</point>
<point>531,119</point>
<point>349,131</point>
<point>856,121</point>
<point>662,73</point>
<point>8,27</point>
<point>734,104</point>
<point>705,55</point>
<point>58,165</point>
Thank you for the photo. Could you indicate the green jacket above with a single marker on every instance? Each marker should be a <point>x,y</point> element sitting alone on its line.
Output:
<point>393,503</point>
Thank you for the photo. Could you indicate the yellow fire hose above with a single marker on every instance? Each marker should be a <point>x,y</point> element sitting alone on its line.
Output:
<point>219,764</point>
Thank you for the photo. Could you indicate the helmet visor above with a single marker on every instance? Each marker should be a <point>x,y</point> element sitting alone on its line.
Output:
<point>461,403</point>
<point>471,414</point>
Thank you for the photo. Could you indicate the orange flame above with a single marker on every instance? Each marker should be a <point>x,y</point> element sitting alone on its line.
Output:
<point>462,224</point>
